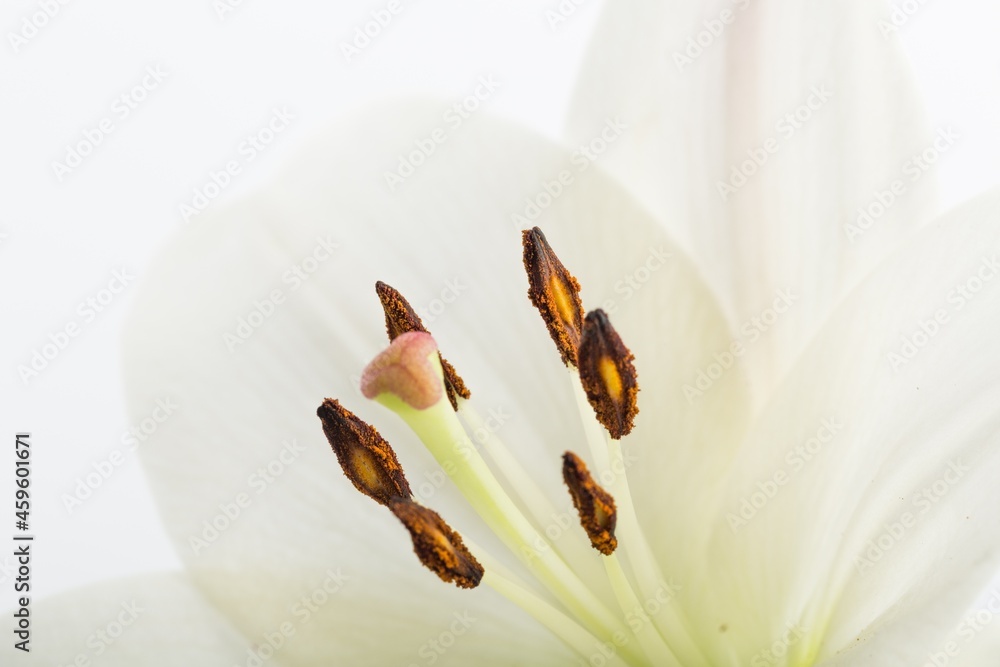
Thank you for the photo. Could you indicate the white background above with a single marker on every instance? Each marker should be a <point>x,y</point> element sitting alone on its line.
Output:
<point>62,240</point>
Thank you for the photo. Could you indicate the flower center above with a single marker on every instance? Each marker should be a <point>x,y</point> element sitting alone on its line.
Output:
<point>413,379</point>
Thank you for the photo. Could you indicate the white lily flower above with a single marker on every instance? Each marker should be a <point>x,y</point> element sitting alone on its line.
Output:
<point>813,465</point>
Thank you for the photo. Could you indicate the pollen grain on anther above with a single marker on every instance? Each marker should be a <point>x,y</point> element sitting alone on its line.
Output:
<point>554,292</point>
<point>438,547</point>
<point>365,457</point>
<point>608,375</point>
<point>400,318</point>
<point>598,514</point>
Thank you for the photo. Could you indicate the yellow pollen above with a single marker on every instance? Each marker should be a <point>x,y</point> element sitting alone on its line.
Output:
<point>612,379</point>
<point>366,468</point>
<point>564,302</point>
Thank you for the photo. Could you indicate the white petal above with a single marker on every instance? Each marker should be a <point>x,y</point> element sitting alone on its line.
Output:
<point>974,641</point>
<point>152,620</point>
<point>689,126</point>
<point>884,524</point>
<point>977,639</point>
<point>448,224</point>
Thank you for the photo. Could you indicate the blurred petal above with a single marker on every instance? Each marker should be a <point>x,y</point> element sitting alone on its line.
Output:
<point>446,238</point>
<point>863,506</point>
<point>152,620</point>
<point>708,89</point>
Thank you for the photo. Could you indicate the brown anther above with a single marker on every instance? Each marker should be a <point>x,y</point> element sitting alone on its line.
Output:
<point>437,546</point>
<point>400,318</point>
<point>555,293</point>
<point>608,375</point>
<point>364,455</point>
<point>596,507</point>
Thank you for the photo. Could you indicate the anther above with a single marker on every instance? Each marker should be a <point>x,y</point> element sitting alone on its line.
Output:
<point>364,455</point>
<point>555,292</point>
<point>596,507</point>
<point>437,546</point>
<point>400,318</point>
<point>608,375</point>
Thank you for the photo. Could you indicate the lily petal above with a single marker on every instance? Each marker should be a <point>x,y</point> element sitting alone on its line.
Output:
<point>863,503</point>
<point>151,620</point>
<point>710,89</point>
<point>974,641</point>
<point>248,349</point>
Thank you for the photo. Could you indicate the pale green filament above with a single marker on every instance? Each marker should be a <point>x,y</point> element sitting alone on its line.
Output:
<point>642,626</point>
<point>538,503</point>
<point>608,456</point>
<point>443,435</point>
<point>562,626</point>
<point>524,486</point>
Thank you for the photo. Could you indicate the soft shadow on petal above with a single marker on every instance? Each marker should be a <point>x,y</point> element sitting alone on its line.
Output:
<point>690,124</point>
<point>151,620</point>
<point>446,238</point>
<point>864,502</point>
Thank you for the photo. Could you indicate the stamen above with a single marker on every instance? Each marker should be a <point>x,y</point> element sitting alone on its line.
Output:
<point>672,625</point>
<point>407,370</point>
<point>608,375</point>
<point>364,455</point>
<point>437,546</point>
<point>596,507</point>
<point>400,318</point>
<point>555,292</point>
<point>443,435</point>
